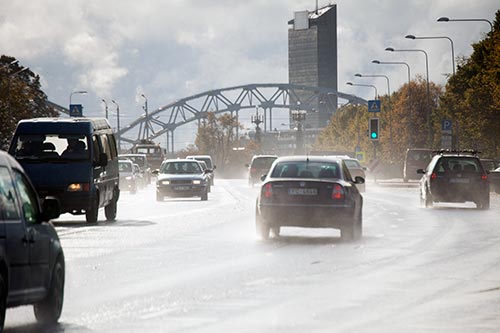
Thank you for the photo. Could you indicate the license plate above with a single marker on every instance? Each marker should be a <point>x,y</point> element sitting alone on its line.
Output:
<point>182,188</point>
<point>459,180</point>
<point>303,191</point>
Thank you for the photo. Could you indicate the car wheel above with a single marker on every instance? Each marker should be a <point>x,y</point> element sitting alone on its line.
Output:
<point>3,301</point>
<point>204,196</point>
<point>110,209</point>
<point>358,225</point>
<point>275,231</point>
<point>49,310</point>
<point>262,228</point>
<point>484,204</point>
<point>92,213</point>
<point>428,201</point>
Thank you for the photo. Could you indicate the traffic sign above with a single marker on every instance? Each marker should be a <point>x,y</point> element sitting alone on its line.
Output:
<point>446,125</point>
<point>374,105</point>
<point>75,110</point>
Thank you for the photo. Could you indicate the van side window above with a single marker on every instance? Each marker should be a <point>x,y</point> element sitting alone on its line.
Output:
<point>105,146</point>
<point>29,201</point>
<point>8,201</point>
<point>97,148</point>
<point>112,146</point>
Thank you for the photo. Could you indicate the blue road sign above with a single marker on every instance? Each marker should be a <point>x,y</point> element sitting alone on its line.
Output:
<point>374,105</point>
<point>75,110</point>
<point>446,125</point>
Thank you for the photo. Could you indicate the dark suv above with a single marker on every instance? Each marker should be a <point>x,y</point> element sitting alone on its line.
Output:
<point>455,176</point>
<point>31,257</point>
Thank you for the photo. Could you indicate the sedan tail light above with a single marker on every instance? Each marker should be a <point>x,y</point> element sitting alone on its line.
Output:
<point>338,192</point>
<point>433,175</point>
<point>484,177</point>
<point>268,190</point>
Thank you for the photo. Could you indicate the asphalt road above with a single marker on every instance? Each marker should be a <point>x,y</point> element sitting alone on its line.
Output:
<point>185,265</point>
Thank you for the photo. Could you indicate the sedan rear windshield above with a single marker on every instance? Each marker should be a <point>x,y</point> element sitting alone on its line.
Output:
<point>316,170</point>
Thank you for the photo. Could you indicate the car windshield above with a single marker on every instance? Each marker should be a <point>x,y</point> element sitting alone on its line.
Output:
<point>303,169</point>
<point>458,164</point>
<point>124,166</point>
<point>352,164</point>
<point>263,162</point>
<point>140,160</point>
<point>51,147</point>
<point>181,168</point>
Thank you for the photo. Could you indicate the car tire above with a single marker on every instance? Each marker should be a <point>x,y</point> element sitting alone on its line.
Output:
<point>159,197</point>
<point>92,213</point>
<point>204,196</point>
<point>49,310</point>
<point>428,201</point>
<point>354,231</point>
<point>484,204</point>
<point>275,231</point>
<point>262,228</point>
<point>3,301</point>
<point>111,208</point>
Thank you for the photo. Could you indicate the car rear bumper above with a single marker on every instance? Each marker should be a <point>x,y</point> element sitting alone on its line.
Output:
<point>309,216</point>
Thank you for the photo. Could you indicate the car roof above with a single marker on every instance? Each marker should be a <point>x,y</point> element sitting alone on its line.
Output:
<point>201,156</point>
<point>125,155</point>
<point>258,156</point>
<point>179,160</point>
<point>304,158</point>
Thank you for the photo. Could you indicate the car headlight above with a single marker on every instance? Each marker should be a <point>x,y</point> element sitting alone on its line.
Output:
<point>128,178</point>
<point>78,187</point>
<point>165,182</point>
<point>196,182</point>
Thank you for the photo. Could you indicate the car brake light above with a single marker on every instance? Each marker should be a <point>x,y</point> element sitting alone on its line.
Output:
<point>338,192</point>
<point>484,177</point>
<point>268,190</point>
<point>433,175</point>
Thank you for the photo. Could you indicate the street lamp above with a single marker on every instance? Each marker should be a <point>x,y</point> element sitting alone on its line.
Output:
<point>76,92</point>
<point>378,62</point>
<point>117,123</point>
<point>447,19</point>
<point>364,85</point>
<point>439,37</point>
<point>145,108</point>
<point>105,107</point>
<point>391,49</point>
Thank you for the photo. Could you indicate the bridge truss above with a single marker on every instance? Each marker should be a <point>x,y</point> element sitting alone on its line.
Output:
<point>166,119</point>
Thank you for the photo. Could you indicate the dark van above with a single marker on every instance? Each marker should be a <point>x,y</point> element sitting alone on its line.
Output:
<point>72,159</point>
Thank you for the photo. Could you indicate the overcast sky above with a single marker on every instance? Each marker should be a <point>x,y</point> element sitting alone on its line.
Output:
<point>169,49</point>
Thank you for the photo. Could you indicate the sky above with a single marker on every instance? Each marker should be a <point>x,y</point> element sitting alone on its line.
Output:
<point>170,49</point>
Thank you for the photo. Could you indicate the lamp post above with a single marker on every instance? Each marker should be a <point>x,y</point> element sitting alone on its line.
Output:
<point>388,97</point>
<point>439,37</point>
<point>378,62</point>
<point>117,123</point>
<point>447,19</point>
<point>76,92</point>
<point>105,107</point>
<point>145,108</point>
<point>364,85</point>
<point>428,110</point>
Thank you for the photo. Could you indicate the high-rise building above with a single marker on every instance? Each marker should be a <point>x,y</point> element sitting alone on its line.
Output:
<point>312,57</point>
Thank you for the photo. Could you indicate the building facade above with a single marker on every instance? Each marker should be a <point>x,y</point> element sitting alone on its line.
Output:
<point>312,58</point>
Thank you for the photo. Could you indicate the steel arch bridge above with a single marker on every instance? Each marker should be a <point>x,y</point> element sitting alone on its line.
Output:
<point>267,96</point>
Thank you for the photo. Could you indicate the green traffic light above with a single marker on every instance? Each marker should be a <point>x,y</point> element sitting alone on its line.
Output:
<point>374,135</point>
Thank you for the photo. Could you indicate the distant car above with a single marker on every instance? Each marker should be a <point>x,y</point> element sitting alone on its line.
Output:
<point>128,180</point>
<point>455,177</point>
<point>142,161</point>
<point>355,168</point>
<point>208,161</point>
<point>309,192</point>
<point>415,158</point>
<point>31,257</point>
<point>494,177</point>
<point>258,167</point>
<point>181,178</point>
<point>489,164</point>
<point>208,172</point>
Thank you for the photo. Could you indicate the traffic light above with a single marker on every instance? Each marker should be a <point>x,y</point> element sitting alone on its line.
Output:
<point>374,128</point>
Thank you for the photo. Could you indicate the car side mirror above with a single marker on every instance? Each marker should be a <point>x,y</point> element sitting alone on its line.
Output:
<point>420,171</point>
<point>247,165</point>
<point>51,209</point>
<point>263,177</point>
<point>155,172</point>
<point>359,180</point>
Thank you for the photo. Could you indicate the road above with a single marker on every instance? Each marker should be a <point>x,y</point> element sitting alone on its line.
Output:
<point>184,265</point>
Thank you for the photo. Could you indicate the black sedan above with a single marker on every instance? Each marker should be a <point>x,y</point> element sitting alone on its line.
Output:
<point>310,192</point>
<point>181,178</point>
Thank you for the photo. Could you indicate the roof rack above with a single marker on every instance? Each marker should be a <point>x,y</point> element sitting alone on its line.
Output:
<point>456,152</point>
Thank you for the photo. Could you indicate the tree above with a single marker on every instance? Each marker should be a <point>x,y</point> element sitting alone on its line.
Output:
<point>20,97</point>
